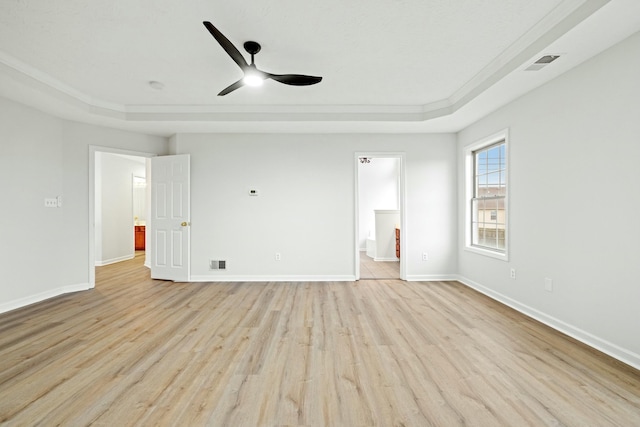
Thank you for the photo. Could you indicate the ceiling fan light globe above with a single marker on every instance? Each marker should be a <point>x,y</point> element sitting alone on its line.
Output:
<point>253,80</point>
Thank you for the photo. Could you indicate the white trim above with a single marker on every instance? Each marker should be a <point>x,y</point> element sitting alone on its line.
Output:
<point>114,260</point>
<point>468,179</point>
<point>267,278</point>
<point>432,277</point>
<point>613,350</point>
<point>32,299</point>
<point>487,252</point>
<point>394,259</point>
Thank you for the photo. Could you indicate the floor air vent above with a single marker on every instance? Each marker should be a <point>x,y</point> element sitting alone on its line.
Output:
<point>217,265</point>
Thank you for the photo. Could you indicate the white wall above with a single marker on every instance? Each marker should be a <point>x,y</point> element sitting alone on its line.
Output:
<point>31,159</point>
<point>114,206</point>
<point>306,207</point>
<point>378,189</point>
<point>44,251</point>
<point>574,203</point>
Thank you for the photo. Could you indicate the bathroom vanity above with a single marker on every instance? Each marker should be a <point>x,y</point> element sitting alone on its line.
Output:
<point>138,233</point>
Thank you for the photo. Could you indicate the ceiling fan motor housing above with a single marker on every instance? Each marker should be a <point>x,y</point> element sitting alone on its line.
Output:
<point>252,47</point>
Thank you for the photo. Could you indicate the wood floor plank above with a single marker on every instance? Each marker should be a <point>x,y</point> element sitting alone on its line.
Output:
<point>137,351</point>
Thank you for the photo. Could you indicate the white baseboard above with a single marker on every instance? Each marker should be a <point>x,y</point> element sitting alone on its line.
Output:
<point>264,278</point>
<point>114,260</point>
<point>613,350</point>
<point>394,259</point>
<point>345,278</point>
<point>431,277</point>
<point>32,299</point>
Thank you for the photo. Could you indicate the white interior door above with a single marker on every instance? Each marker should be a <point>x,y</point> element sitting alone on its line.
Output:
<point>170,216</point>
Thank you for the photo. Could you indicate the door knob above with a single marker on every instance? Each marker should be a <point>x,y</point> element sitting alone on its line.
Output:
<point>184,224</point>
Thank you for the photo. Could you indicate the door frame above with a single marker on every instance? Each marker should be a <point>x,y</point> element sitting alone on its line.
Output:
<point>93,149</point>
<point>401,202</point>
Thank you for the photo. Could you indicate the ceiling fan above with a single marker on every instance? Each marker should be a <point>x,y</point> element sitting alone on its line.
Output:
<point>252,75</point>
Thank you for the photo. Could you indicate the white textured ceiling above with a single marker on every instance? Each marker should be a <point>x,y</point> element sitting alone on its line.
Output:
<point>387,65</point>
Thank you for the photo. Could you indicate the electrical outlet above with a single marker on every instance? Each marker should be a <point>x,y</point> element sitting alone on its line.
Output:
<point>548,284</point>
<point>278,256</point>
<point>425,256</point>
<point>513,273</point>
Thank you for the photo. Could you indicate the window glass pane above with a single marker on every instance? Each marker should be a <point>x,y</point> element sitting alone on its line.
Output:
<point>493,159</point>
<point>480,210</point>
<point>491,211</point>
<point>480,239</point>
<point>493,182</point>
<point>502,238</point>
<point>481,166</point>
<point>482,181</point>
<point>488,214</point>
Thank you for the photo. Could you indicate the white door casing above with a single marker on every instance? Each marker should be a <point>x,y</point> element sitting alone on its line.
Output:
<point>170,217</point>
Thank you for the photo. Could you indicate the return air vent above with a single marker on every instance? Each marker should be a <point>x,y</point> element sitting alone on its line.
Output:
<point>542,62</point>
<point>217,265</point>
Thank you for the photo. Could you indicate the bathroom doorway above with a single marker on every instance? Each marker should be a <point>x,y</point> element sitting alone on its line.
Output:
<point>380,219</point>
<point>120,206</point>
<point>116,198</point>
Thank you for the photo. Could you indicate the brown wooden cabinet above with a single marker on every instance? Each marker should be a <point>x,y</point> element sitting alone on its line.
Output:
<point>397,243</point>
<point>138,232</point>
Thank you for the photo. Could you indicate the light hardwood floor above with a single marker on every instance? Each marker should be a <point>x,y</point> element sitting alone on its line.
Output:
<point>370,269</point>
<point>137,351</point>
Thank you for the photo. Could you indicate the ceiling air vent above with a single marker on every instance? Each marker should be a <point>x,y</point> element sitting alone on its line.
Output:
<point>542,62</point>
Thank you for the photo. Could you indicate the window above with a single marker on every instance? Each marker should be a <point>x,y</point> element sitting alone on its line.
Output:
<point>487,196</point>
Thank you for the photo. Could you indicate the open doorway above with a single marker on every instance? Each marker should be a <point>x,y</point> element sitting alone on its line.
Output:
<point>140,210</point>
<point>379,216</point>
<point>117,206</point>
<point>120,212</point>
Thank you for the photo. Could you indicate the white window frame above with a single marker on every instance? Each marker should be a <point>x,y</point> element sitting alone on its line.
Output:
<point>469,180</point>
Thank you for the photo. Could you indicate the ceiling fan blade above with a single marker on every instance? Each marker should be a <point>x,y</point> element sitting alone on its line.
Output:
<point>232,87</point>
<point>233,52</point>
<point>294,79</point>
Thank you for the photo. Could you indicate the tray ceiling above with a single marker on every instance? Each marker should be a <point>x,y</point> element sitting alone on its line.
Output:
<point>408,65</point>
